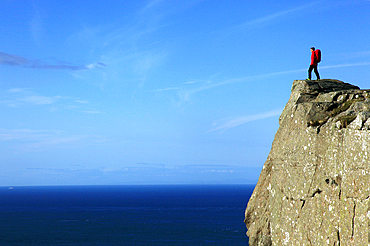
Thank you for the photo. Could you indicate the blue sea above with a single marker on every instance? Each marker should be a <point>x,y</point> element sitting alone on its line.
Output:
<point>124,215</point>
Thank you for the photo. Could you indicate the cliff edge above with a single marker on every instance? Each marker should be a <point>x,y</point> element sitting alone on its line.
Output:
<point>314,187</point>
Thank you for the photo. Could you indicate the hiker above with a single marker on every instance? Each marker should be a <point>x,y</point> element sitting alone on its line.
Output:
<point>315,59</point>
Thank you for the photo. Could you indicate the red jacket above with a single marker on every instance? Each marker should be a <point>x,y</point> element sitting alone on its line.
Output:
<point>313,58</point>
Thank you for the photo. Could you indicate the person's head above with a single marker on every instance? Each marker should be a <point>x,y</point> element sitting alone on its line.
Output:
<point>312,49</point>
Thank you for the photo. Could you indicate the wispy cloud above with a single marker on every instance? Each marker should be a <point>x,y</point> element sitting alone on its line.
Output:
<point>186,92</point>
<point>36,25</point>
<point>92,112</point>
<point>346,65</point>
<point>189,88</point>
<point>7,134</point>
<point>151,4</point>
<point>137,47</point>
<point>354,54</point>
<point>225,124</point>
<point>38,100</point>
<point>26,97</point>
<point>14,60</point>
<point>128,50</point>
<point>269,18</point>
<point>167,89</point>
<point>28,139</point>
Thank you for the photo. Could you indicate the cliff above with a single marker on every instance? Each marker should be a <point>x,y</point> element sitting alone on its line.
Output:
<point>315,184</point>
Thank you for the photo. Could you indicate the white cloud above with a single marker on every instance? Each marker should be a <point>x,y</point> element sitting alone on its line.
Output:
<point>151,4</point>
<point>13,60</point>
<point>167,89</point>
<point>17,97</point>
<point>82,101</point>
<point>225,124</point>
<point>357,54</point>
<point>346,65</point>
<point>23,97</point>
<point>93,112</point>
<point>8,134</point>
<point>28,140</point>
<point>36,26</point>
<point>187,91</point>
<point>268,18</point>
<point>95,65</point>
<point>38,100</point>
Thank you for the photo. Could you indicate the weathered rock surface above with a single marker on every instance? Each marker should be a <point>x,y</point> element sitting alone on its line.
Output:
<point>314,187</point>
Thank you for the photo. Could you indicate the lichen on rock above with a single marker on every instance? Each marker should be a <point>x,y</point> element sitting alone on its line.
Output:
<point>314,187</point>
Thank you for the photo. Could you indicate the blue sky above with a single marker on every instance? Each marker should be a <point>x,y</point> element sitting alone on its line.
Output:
<point>160,91</point>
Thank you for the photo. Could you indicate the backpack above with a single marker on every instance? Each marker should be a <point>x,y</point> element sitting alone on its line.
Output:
<point>318,55</point>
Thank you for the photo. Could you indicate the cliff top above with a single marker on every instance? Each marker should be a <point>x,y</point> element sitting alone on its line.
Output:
<point>330,100</point>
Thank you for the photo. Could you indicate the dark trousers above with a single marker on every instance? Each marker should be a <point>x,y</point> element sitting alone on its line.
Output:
<point>314,67</point>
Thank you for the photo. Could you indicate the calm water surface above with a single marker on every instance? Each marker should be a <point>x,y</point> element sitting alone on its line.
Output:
<point>124,215</point>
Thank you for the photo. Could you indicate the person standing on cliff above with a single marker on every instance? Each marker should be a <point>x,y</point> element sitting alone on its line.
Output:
<point>315,59</point>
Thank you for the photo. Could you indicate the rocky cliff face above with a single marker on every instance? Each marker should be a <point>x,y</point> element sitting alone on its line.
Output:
<point>314,187</point>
